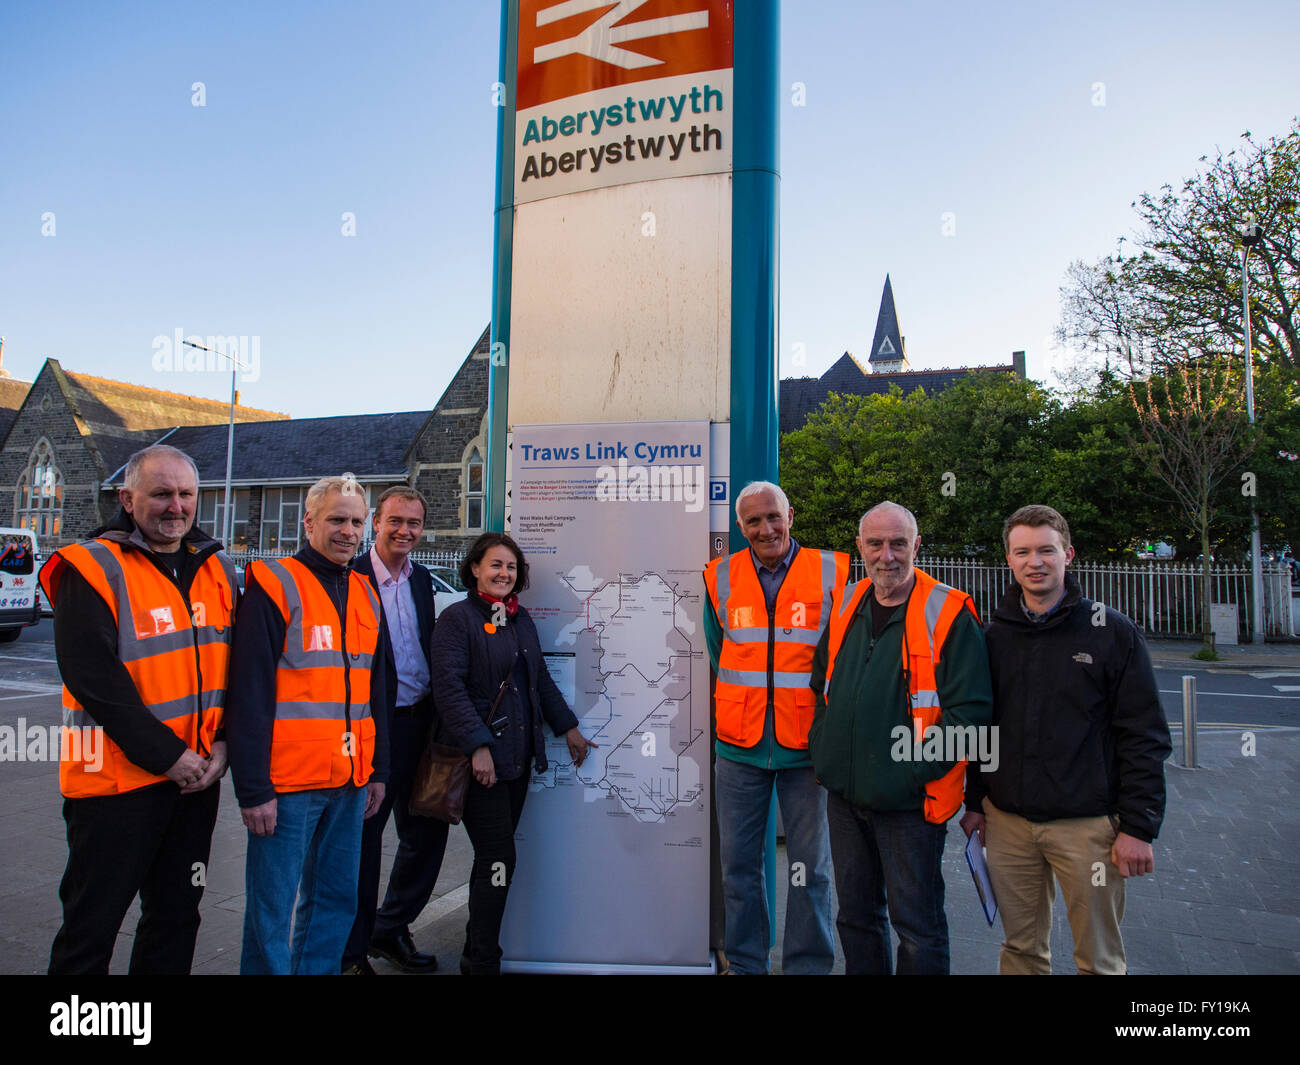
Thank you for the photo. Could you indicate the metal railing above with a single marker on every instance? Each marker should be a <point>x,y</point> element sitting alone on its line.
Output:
<point>1164,598</point>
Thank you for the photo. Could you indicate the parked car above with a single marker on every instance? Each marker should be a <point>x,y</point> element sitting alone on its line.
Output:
<point>447,588</point>
<point>20,601</point>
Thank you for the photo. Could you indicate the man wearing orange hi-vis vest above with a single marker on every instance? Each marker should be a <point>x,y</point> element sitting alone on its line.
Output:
<point>768,606</point>
<point>308,731</point>
<point>903,700</point>
<point>142,627</point>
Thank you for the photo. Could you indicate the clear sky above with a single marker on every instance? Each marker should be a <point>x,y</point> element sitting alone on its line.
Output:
<point>226,219</point>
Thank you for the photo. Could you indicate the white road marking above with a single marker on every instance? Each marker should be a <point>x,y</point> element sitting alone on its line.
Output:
<point>1232,695</point>
<point>54,662</point>
<point>1266,674</point>
<point>440,907</point>
<point>31,686</point>
<point>1287,687</point>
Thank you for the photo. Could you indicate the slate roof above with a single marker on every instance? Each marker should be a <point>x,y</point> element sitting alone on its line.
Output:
<point>12,394</point>
<point>887,345</point>
<point>122,417</point>
<point>801,396</point>
<point>372,446</point>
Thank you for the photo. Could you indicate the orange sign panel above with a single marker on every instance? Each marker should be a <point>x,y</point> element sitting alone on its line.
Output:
<point>568,47</point>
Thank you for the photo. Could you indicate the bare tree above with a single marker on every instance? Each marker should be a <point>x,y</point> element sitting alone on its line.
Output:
<point>1193,426</point>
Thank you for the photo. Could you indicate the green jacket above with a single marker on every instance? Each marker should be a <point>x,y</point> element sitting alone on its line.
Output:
<point>852,740</point>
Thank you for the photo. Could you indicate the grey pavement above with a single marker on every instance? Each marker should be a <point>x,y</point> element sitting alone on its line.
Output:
<point>1223,898</point>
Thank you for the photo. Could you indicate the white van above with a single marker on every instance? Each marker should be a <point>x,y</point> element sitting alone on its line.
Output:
<point>19,599</point>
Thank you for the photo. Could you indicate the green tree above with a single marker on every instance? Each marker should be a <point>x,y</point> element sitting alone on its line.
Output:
<point>849,455</point>
<point>1094,477</point>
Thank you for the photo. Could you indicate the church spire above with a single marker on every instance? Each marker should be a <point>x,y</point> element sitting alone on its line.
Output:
<point>887,353</point>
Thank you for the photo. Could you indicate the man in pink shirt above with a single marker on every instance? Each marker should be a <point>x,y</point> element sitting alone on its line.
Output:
<point>406,596</point>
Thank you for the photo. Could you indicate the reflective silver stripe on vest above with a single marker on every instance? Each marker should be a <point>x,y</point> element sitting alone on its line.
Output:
<point>724,592</point>
<point>925,698</point>
<point>850,590</point>
<point>828,589</point>
<point>330,711</point>
<point>755,679</point>
<point>133,648</point>
<point>164,711</point>
<point>294,655</point>
<point>783,635</point>
<point>933,608</point>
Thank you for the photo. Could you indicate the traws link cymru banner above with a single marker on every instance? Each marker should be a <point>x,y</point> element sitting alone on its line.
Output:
<point>614,93</point>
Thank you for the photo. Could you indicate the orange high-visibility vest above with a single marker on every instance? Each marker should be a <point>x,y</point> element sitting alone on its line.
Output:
<point>751,640</point>
<point>324,732</point>
<point>931,610</point>
<point>177,653</point>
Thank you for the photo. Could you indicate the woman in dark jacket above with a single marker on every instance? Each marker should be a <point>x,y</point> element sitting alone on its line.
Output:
<point>492,694</point>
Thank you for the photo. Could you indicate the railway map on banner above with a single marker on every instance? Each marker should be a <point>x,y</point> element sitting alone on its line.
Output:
<point>613,520</point>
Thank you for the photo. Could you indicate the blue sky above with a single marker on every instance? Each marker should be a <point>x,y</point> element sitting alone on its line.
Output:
<point>226,219</point>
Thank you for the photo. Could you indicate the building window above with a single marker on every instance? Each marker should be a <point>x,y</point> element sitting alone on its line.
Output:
<point>40,493</point>
<point>474,492</point>
<point>212,515</point>
<point>282,510</point>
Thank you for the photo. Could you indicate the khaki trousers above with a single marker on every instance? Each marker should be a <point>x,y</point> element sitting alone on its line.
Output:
<point>1023,856</point>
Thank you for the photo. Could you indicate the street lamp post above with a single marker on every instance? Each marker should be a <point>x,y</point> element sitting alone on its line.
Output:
<point>1251,233</point>
<point>227,523</point>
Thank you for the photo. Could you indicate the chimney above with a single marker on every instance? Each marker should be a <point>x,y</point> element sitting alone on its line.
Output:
<point>3,371</point>
<point>1018,364</point>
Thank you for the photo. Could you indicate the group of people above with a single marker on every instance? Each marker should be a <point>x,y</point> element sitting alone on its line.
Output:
<point>876,709</point>
<point>319,687</point>
<point>321,682</point>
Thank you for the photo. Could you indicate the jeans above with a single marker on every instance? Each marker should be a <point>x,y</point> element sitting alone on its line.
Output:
<point>491,817</point>
<point>143,842</point>
<point>743,794</point>
<point>317,841</point>
<point>895,857</point>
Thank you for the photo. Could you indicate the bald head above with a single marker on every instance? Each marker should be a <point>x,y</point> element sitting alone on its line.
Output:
<point>888,506</point>
<point>888,541</point>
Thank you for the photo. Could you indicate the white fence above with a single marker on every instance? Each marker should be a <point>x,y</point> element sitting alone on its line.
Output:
<point>1162,597</point>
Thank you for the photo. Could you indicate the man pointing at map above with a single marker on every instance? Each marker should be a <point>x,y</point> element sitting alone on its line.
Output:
<point>768,606</point>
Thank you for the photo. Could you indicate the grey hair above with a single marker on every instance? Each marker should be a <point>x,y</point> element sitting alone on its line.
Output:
<point>346,485</point>
<point>131,478</point>
<point>889,504</point>
<point>756,488</point>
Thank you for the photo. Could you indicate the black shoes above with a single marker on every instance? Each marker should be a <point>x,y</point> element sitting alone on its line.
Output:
<point>400,950</point>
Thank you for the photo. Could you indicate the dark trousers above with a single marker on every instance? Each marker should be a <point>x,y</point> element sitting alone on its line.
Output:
<point>888,859</point>
<point>491,817</point>
<point>421,842</point>
<point>145,842</point>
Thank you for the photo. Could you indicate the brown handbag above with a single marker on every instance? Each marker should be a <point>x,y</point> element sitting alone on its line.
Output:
<point>442,778</point>
<point>440,784</point>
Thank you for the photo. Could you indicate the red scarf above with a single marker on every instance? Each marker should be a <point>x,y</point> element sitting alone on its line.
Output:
<point>511,601</point>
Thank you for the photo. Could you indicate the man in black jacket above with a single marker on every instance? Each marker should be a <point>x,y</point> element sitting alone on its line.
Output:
<point>406,599</point>
<point>1079,791</point>
<point>142,780</point>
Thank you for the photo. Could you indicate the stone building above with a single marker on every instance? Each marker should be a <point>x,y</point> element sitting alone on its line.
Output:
<point>64,451</point>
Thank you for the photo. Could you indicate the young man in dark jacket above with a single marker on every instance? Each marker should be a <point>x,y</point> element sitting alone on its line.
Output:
<point>1079,790</point>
